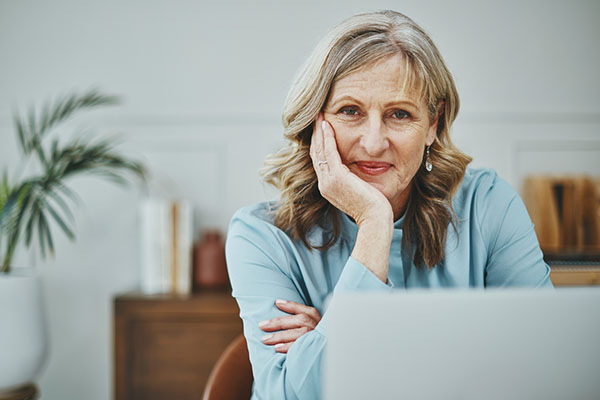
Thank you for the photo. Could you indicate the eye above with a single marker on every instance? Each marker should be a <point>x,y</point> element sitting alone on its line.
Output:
<point>401,114</point>
<point>349,111</point>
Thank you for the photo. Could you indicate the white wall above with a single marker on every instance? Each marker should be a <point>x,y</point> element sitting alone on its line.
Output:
<point>203,86</point>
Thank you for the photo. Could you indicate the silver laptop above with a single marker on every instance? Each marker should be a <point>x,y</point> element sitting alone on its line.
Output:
<point>449,344</point>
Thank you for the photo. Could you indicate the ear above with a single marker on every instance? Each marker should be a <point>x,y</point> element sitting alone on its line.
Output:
<point>432,132</point>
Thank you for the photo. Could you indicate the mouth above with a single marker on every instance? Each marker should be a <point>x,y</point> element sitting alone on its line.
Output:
<point>373,167</point>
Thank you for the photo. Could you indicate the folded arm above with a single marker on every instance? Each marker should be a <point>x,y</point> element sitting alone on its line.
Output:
<point>260,269</point>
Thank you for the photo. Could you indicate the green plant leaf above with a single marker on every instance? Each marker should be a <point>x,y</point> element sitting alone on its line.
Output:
<point>62,204</point>
<point>68,192</point>
<point>111,176</point>
<point>31,131</point>
<point>58,219</point>
<point>41,234</point>
<point>40,153</point>
<point>45,118</point>
<point>10,208</point>
<point>32,217</point>
<point>64,108</point>
<point>21,134</point>
<point>10,220</point>
<point>47,234</point>
<point>4,190</point>
<point>33,135</point>
<point>29,205</point>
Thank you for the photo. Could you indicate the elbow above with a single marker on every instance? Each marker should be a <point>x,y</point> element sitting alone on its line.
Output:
<point>276,382</point>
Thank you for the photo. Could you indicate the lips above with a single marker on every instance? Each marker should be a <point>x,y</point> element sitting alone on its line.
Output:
<point>373,167</point>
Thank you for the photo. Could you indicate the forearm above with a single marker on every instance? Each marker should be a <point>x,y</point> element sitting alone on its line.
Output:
<point>358,199</point>
<point>372,247</point>
<point>295,375</point>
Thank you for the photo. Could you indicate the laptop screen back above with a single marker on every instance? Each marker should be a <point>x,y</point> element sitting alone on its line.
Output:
<point>449,344</point>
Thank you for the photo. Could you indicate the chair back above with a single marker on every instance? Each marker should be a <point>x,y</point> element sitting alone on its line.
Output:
<point>231,377</point>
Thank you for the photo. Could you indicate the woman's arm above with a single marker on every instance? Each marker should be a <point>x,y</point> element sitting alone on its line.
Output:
<point>259,270</point>
<point>514,254</point>
<point>263,268</point>
<point>365,204</point>
<point>355,197</point>
<point>282,332</point>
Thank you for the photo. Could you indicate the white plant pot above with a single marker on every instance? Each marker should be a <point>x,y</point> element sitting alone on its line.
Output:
<point>23,333</point>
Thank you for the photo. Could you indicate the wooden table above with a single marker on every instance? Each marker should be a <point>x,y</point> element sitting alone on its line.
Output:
<point>166,345</point>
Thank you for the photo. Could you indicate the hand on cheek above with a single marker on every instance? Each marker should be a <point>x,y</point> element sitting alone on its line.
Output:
<point>345,190</point>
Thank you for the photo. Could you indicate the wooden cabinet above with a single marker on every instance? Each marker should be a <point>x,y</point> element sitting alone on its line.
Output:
<point>568,275</point>
<point>166,345</point>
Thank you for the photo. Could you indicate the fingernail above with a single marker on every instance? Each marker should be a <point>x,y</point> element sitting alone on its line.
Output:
<point>266,337</point>
<point>279,345</point>
<point>280,301</point>
<point>324,124</point>
<point>263,323</point>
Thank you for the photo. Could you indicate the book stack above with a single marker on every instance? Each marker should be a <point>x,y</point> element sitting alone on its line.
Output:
<point>166,236</point>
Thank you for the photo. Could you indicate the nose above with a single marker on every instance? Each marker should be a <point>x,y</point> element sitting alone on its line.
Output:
<point>374,138</point>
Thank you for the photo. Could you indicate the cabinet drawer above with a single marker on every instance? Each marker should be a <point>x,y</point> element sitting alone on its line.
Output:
<point>165,347</point>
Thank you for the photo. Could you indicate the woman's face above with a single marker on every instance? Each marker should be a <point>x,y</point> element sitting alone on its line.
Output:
<point>381,130</point>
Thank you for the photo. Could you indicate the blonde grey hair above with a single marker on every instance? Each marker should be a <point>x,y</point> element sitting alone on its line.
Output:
<point>354,44</point>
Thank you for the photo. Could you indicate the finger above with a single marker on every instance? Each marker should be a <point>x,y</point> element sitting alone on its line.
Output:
<point>292,307</point>
<point>316,140</point>
<point>330,150</point>
<point>317,151</point>
<point>286,336</point>
<point>283,347</point>
<point>287,322</point>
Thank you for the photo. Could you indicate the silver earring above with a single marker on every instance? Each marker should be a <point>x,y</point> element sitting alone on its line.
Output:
<point>428,165</point>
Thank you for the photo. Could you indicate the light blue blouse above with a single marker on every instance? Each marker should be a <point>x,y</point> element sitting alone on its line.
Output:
<point>495,246</point>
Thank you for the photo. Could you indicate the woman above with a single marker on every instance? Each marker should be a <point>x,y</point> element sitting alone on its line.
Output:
<point>374,196</point>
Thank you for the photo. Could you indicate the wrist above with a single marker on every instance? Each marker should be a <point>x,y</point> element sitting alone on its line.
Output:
<point>381,222</point>
<point>372,247</point>
<point>377,233</point>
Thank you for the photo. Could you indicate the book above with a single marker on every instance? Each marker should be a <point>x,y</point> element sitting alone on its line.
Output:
<point>166,236</point>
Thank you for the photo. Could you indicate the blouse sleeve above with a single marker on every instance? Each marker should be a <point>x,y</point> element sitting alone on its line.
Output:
<point>258,261</point>
<point>514,255</point>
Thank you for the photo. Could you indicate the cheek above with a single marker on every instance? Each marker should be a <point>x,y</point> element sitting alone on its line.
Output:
<point>409,150</point>
<point>345,138</point>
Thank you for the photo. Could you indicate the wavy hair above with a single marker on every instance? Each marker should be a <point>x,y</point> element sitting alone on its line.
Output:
<point>354,44</point>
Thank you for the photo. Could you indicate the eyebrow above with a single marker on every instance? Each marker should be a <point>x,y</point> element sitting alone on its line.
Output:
<point>355,100</point>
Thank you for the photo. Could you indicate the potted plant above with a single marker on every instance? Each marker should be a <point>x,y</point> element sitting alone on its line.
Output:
<point>31,207</point>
